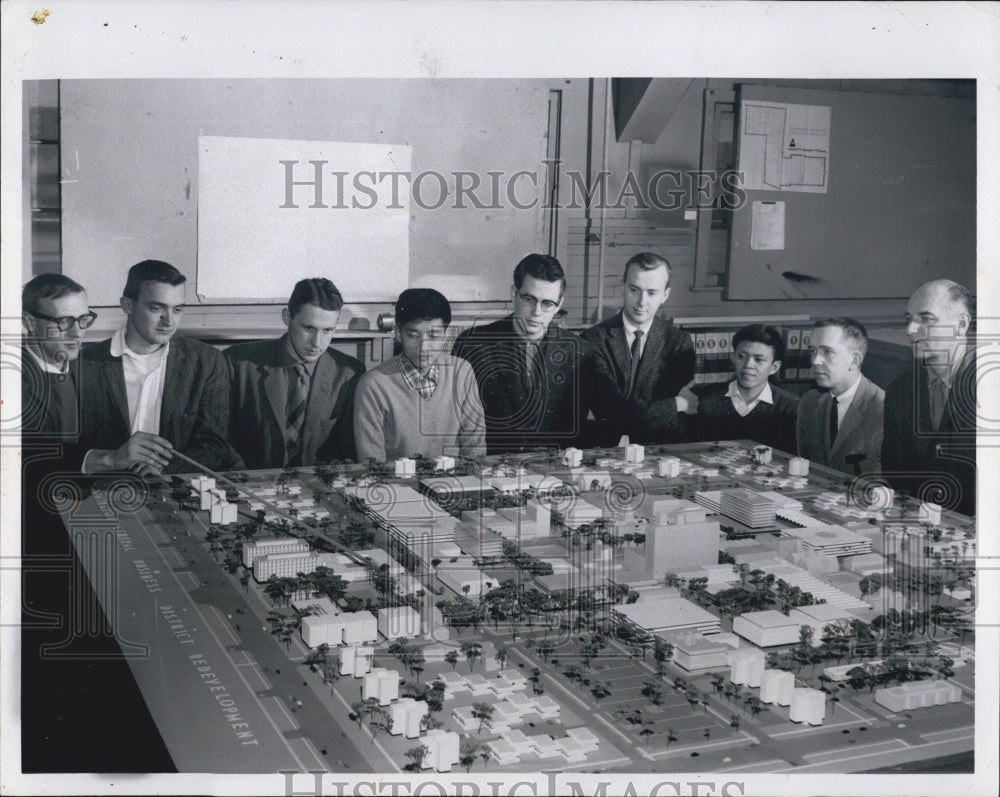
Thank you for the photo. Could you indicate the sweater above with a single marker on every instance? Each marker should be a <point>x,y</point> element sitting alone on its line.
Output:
<point>770,424</point>
<point>393,421</point>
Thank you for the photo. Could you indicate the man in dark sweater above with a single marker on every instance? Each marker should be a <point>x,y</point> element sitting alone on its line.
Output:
<point>751,407</point>
<point>537,381</point>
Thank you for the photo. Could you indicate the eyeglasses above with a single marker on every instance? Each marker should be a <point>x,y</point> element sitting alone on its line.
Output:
<point>547,304</point>
<point>65,323</point>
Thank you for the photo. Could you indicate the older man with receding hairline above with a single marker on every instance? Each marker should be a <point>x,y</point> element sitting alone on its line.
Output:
<point>929,445</point>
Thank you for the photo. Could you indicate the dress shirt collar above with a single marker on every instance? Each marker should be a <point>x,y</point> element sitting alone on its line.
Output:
<point>741,405</point>
<point>290,358</point>
<point>46,366</point>
<point>630,328</point>
<point>847,396</point>
<point>424,382</point>
<point>119,348</point>
<point>765,395</point>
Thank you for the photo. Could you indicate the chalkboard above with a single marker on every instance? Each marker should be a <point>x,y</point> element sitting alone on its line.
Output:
<point>130,171</point>
<point>899,206</point>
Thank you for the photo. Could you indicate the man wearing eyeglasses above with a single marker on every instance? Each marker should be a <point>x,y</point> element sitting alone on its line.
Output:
<point>154,390</point>
<point>60,698</point>
<point>650,361</point>
<point>535,378</point>
<point>54,313</point>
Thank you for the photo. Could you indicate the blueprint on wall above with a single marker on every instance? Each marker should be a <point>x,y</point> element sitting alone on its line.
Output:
<point>784,147</point>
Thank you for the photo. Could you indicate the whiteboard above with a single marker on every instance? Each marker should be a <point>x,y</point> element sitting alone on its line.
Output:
<point>274,211</point>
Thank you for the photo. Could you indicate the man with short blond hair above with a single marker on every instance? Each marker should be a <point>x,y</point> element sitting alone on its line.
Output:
<point>293,396</point>
<point>649,360</point>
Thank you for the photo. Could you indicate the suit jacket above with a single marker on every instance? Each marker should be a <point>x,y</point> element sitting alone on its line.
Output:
<point>553,410</point>
<point>194,415</point>
<point>259,392</point>
<point>649,413</point>
<point>939,464</point>
<point>860,432</point>
<point>770,424</point>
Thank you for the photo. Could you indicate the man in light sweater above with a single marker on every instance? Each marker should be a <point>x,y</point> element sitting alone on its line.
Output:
<point>423,401</point>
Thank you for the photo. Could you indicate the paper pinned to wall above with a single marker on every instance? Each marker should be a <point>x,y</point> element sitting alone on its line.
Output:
<point>784,146</point>
<point>768,230</point>
<point>274,211</point>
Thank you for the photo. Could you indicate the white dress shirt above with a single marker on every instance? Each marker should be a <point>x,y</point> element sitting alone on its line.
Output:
<point>144,378</point>
<point>844,401</point>
<point>630,329</point>
<point>740,404</point>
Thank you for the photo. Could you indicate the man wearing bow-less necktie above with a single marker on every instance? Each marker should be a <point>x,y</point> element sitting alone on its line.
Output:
<point>537,380</point>
<point>839,422</point>
<point>293,396</point>
<point>648,359</point>
<point>931,409</point>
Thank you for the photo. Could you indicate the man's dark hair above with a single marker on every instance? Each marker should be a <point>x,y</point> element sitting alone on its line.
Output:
<point>422,304</point>
<point>854,331</point>
<point>541,267</point>
<point>150,271</point>
<point>761,333</point>
<point>47,286</point>
<point>316,290</point>
<point>647,261</point>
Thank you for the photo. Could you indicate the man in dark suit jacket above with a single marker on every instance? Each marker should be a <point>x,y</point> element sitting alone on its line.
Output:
<point>929,446</point>
<point>263,377</point>
<point>842,418</point>
<point>648,359</point>
<point>155,389</point>
<point>536,380</point>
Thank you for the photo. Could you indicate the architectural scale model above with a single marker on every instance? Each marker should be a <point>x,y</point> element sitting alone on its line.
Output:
<point>631,609</point>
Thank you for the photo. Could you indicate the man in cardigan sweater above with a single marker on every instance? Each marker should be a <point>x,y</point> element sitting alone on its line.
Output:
<point>423,401</point>
<point>750,407</point>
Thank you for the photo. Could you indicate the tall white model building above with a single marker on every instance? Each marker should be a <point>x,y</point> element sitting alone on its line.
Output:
<point>382,684</point>
<point>356,660</point>
<point>776,687</point>
<point>405,717</point>
<point>747,666</point>
<point>443,750</point>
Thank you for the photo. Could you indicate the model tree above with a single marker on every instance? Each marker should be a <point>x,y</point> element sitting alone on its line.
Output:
<point>416,755</point>
<point>482,712</point>
<point>467,752</point>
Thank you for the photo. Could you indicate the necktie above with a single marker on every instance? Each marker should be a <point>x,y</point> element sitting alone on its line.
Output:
<point>635,354</point>
<point>939,397</point>
<point>529,363</point>
<point>834,420</point>
<point>298,395</point>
